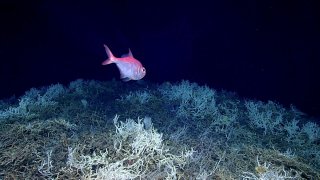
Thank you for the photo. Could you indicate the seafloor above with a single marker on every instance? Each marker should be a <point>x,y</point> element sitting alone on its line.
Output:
<point>116,130</point>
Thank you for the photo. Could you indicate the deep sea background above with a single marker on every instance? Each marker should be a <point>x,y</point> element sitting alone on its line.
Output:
<point>267,50</point>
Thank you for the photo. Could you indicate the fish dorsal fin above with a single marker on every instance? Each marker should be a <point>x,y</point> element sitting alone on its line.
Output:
<point>130,53</point>
<point>127,55</point>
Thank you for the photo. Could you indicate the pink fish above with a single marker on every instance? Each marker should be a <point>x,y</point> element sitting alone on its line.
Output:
<point>129,67</point>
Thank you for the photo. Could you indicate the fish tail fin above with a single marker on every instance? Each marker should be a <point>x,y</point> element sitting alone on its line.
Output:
<point>111,57</point>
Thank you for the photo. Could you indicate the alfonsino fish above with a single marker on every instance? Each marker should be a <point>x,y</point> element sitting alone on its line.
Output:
<point>129,67</point>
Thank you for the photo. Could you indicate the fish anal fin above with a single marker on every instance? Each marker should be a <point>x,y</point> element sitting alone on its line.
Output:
<point>126,79</point>
<point>123,76</point>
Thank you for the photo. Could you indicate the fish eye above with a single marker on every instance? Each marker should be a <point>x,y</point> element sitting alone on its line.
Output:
<point>143,70</point>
